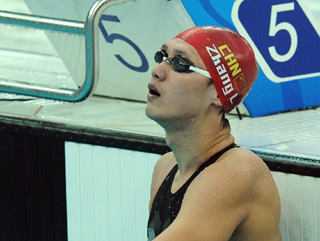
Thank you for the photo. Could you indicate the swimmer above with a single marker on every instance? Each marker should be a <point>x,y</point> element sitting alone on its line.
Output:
<point>207,188</point>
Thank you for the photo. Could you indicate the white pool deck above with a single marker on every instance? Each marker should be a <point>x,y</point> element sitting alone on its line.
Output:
<point>294,133</point>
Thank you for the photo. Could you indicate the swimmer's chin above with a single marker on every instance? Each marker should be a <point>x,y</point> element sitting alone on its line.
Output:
<point>156,118</point>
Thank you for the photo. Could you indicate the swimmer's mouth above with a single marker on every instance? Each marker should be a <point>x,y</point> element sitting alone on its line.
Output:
<point>153,90</point>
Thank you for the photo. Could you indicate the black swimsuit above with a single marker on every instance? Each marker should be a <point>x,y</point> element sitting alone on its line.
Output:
<point>166,205</point>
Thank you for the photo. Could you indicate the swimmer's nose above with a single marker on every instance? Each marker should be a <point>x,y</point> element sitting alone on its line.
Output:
<point>159,72</point>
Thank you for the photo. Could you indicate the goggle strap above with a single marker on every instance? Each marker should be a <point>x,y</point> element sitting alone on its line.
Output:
<point>200,71</point>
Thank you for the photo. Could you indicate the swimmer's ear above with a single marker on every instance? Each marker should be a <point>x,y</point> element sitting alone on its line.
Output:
<point>216,100</point>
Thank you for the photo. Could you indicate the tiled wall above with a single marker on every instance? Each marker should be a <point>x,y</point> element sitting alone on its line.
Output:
<point>300,200</point>
<point>107,193</point>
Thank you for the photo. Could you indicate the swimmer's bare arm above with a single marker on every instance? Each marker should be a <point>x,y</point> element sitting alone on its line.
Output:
<point>216,203</point>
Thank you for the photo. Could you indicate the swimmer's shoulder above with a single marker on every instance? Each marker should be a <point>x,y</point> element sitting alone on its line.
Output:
<point>165,163</point>
<point>240,171</point>
<point>246,177</point>
<point>246,166</point>
<point>161,169</point>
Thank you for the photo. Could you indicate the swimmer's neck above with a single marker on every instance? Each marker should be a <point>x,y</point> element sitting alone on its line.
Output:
<point>193,147</point>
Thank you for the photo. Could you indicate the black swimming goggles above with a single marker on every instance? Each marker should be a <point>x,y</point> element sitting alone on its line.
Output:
<point>179,64</point>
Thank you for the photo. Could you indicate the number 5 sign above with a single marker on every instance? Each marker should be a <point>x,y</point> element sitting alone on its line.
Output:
<point>284,35</point>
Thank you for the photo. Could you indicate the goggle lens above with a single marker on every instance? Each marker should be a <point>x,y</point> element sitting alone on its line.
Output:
<point>178,63</point>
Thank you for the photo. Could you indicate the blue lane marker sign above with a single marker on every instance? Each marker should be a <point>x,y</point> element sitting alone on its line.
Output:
<point>286,39</point>
<point>284,34</point>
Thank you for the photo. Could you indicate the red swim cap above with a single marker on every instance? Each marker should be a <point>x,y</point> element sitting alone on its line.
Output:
<point>229,59</point>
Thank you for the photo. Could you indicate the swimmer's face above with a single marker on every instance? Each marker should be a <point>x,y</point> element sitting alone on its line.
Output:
<point>175,96</point>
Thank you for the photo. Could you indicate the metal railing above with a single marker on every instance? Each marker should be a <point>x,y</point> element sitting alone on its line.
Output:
<point>88,29</point>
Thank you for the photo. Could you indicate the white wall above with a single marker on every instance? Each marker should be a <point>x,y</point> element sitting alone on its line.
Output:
<point>108,194</point>
<point>300,207</point>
